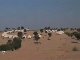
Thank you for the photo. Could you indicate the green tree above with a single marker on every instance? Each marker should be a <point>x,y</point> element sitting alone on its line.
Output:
<point>41,30</point>
<point>18,28</point>
<point>35,33</point>
<point>36,37</point>
<point>22,27</point>
<point>20,34</point>
<point>25,30</point>
<point>49,27</point>
<point>17,43</point>
<point>7,28</point>
<point>3,47</point>
<point>49,34</point>
<point>45,28</point>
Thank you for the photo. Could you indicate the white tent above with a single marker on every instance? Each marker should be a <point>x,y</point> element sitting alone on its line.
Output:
<point>60,32</point>
<point>14,36</point>
<point>3,52</point>
<point>24,36</point>
<point>53,30</point>
<point>29,37</point>
<point>10,36</point>
<point>39,35</point>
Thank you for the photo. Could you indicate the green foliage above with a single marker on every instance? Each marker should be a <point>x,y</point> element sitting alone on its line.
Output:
<point>16,43</point>
<point>20,34</point>
<point>22,27</point>
<point>67,33</point>
<point>11,45</point>
<point>49,27</point>
<point>76,34</point>
<point>49,34</point>
<point>18,28</point>
<point>41,30</point>
<point>7,28</point>
<point>3,47</point>
<point>25,30</point>
<point>36,37</point>
<point>35,33</point>
<point>78,29</point>
<point>75,49</point>
<point>45,28</point>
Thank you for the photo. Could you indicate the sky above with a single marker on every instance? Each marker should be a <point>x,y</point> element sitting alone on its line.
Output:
<point>36,14</point>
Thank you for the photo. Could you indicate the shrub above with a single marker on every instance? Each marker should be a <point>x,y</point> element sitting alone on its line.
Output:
<point>41,30</point>
<point>75,49</point>
<point>49,34</point>
<point>3,47</point>
<point>20,34</point>
<point>77,35</point>
<point>36,37</point>
<point>16,43</point>
<point>67,33</point>
<point>25,30</point>
<point>35,33</point>
<point>11,45</point>
<point>22,27</point>
<point>18,28</point>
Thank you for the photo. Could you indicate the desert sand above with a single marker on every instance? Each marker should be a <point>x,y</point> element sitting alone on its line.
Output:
<point>58,48</point>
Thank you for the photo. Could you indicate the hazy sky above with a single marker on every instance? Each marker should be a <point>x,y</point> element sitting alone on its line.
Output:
<point>39,13</point>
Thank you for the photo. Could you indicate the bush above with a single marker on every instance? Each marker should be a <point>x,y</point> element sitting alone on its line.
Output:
<point>36,37</point>
<point>41,30</point>
<point>20,34</point>
<point>67,33</point>
<point>16,43</point>
<point>77,35</point>
<point>25,30</point>
<point>11,45</point>
<point>18,28</point>
<point>50,34</point>
<point>75,49</point>
<point>3,47</point>
<point>22,27</point>
<point>35,33</point>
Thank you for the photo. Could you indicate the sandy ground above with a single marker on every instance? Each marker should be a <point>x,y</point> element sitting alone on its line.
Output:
<point>54,49</point>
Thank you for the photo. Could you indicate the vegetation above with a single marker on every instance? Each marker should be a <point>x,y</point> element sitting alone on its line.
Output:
<point>36,37</point>
<point>78,29</point>
<point>7,28</point>
<point>41,30</point>
<point>25,30</point>
<point>35,33</point>
<point>18,28</point>
<point>69,34</point>
<point>22,27</point>
<point>76,34</point>
<point>75,49</point>
<point>20,34</point>
<point>11,45</point>
<point>49,34</point>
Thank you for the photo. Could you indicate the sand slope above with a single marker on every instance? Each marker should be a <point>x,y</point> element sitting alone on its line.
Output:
<point>54,49</point>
